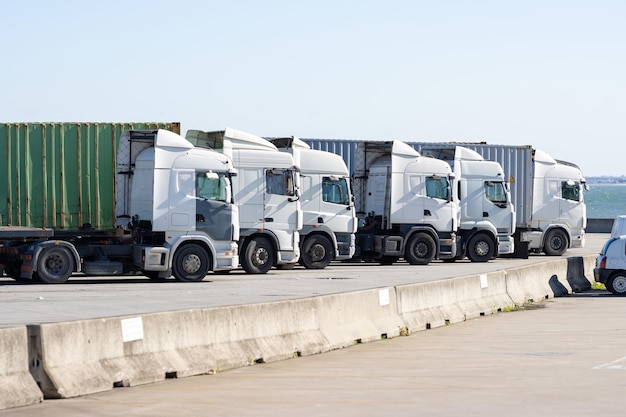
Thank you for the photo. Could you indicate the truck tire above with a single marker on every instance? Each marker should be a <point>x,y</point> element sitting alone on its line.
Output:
<point>420,249</point>
<point>55,265</point>
<point>556,243</point>
<point>480,248</point>
<point>257,256</point>
<point>317,252</point>
<point>191,263</point>
<point>616,284</point>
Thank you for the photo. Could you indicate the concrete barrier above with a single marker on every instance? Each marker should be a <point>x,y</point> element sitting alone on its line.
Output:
<point>18,388</point>
<point>362,316</point>
<point>538,282</point>
<point>438,303</point>
<point>576,274</point>
<point>589,263</point>
<point>83,357</point>
<point>89,356</point>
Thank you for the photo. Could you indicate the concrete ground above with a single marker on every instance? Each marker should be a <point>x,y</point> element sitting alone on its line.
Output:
<point>566,356</point>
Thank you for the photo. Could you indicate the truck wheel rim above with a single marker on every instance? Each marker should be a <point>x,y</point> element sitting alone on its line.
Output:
<point>421,250</point>
<point>317,252</point>
<point>482,248</point>
<point>260,257</point>
<point>192,264</point>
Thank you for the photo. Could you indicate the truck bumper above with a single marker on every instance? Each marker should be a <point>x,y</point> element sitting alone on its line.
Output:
<point>290,256</point>
<point>578,240</point>
<point>346,246</point>
<point>226,256</point>
<point>506,245</point>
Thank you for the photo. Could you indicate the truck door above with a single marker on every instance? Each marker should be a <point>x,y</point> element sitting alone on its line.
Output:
<point>281,207</point>
<point>572,211</point>
<point>214,211</point>
<point>497,203</point>
<point>377,194</point>
<point>439,209</point>
<point>336,205</point>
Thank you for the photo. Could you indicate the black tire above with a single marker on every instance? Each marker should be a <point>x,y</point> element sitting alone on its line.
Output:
<point>616,284</point>
<point>420,249</point>
<point>55,265</point>
<point>480,248</point>
<point>191,263</point>
<point>257,256</point>
<point>556,243</point>
<point>317,252</point>
<point>388,260</point>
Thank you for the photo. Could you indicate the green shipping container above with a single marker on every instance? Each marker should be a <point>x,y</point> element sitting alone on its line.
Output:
<point>61,175</point>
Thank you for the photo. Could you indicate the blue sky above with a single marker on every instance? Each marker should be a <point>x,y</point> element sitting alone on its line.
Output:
<point>546,73</point>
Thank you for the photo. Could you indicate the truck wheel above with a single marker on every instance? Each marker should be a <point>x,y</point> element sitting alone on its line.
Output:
<point>258,256</point>
<point>480,248</point>
<point>317,252</point>
<point>556,243</point>
<point>191,263</point>
<point>420,249</point>
<point>617,284</point>
<point>55,265</point>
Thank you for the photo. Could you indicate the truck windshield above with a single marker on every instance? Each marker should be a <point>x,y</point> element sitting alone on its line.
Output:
<point>570,190</point>
<point>280,181</point>
<point>211,187</point>
<point>437,187</point>
<point>335,190</point>
<point>495,192</point>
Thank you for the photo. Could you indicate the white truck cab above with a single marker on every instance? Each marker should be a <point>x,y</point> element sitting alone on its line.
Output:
<point>266,191</point>
<point>329,219</point>
<point>610,267</point>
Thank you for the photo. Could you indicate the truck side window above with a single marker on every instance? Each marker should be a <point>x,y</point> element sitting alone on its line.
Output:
<point>280,181</point>
<point>495,192</point>
<point>335,190</point>
<point>570,190</point>
<point>211,187</point>
<point>437,187</point>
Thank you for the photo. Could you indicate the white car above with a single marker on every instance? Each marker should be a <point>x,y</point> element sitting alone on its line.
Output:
<point>611,263</point>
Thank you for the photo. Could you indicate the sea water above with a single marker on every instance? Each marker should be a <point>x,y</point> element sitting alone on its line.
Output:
<point>605,201</point>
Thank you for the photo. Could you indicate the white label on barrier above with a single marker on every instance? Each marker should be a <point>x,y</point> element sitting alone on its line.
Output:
<point>132,329</point>
<point>483,281</point>
<point>383,297</point>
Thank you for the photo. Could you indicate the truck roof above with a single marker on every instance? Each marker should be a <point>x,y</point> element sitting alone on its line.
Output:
<point>228,138</point>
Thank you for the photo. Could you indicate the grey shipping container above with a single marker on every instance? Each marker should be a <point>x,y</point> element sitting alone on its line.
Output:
<point>62,175</point>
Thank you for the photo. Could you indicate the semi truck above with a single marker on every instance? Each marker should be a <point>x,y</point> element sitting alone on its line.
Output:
<point>175,215</point>
<point>266,190</point>
<point>329,219</point>
<point>547,194</point>
<point>404,203</point>
<point>486,215</point>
